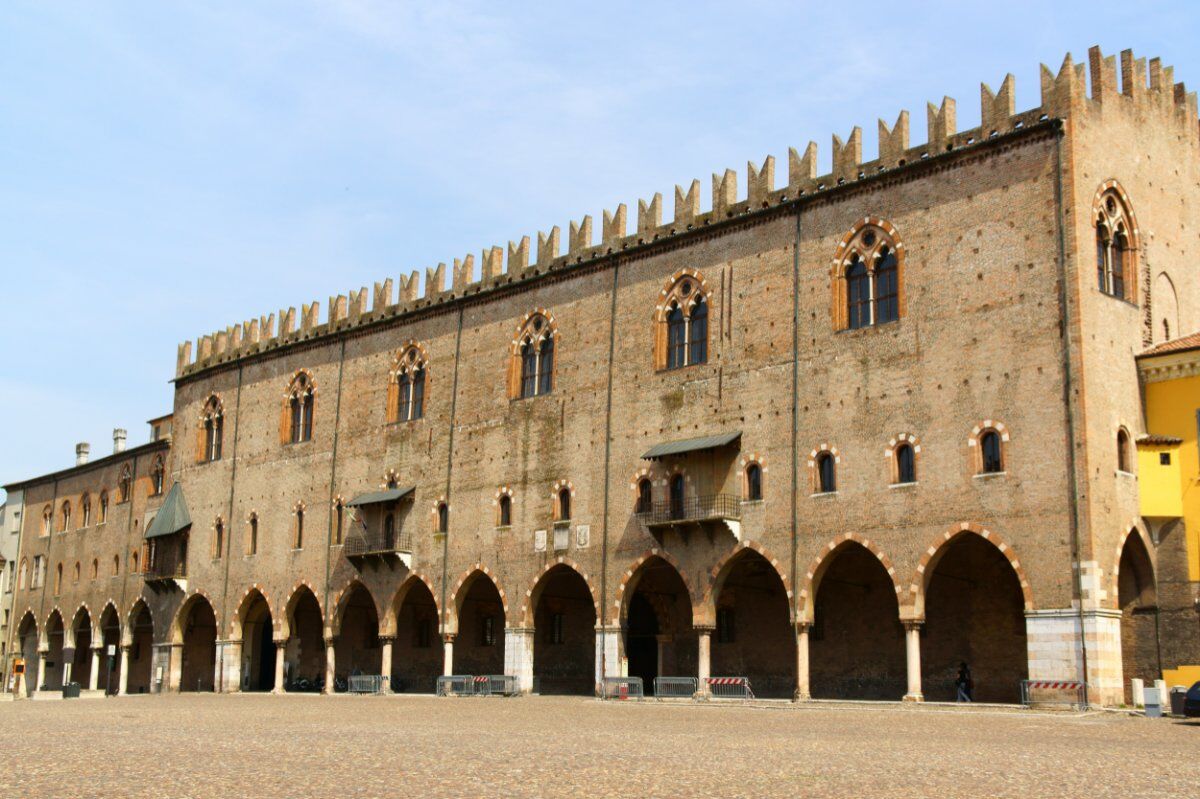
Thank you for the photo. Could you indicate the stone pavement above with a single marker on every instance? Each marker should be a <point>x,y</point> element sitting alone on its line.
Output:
<point>308,746</point>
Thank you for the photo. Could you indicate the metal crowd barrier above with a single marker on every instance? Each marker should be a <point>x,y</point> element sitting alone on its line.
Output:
<point>456,685</point>
<point>622,688</point>
<point>675,687</point>
<point>1053,692</point>
<point>366,684</point>
<point>496,685</point>
<point>729,688</point>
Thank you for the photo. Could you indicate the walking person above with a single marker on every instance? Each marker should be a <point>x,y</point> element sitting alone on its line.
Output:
<point>964,684</point>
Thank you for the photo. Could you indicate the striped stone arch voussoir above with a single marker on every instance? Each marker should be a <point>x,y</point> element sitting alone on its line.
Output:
<point>917,587</point>
<point>235,622</point>
<point>654,552</point>
<point>186,607</point>
<point>127,621</point>
<point>333,623</point>
<point>807,598</point>
<point>706,612</point>
<point>450,612</point>
<point>1114,582</point>
<point>387,622</point>
<point>526,612</point>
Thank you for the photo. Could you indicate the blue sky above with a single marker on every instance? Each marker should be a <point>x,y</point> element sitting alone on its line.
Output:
<point>171,168</point>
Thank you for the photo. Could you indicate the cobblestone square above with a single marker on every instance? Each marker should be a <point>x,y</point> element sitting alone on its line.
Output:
<point>196,747</point>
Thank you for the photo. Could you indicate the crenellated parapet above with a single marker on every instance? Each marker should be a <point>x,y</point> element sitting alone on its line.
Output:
<point>1148,85</point>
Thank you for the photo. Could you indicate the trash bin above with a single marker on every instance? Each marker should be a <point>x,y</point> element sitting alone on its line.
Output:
<point>1178,698</point>
<point>71,690</point>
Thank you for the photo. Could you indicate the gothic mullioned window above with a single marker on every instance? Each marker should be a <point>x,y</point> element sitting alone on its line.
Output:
<point>299,404</point>
<point>681,321</point>
<point>212,430</point>
<point>532,368</point>
<point>868,276</point>
<point>1115,244</point>
<point>406,388</point>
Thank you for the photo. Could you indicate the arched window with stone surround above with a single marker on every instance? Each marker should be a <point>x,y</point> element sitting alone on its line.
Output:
<point>681,322</point>
<point>85,510</point>
<point>868,276</point>
<point>66,517</point>
<point>1116,247</point>
<point>406,387</point>
<point>532,361</point>
<point>298,407</point>
<point>645,496</point>
<point>212,430</point>
<point>103,507</point>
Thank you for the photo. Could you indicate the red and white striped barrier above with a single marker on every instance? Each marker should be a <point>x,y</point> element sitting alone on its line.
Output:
<point>727,680</point>
<point>728,688</point>
<point>1056,685</point>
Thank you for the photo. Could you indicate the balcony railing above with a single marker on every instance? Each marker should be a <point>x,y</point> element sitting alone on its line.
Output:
<point>157,573</point>
<point>374,542</point>
<point>712,507</point>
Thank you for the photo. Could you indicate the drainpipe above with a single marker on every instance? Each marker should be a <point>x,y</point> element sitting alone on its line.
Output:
<point>612,343</point>
<point>337,415</point>
<point>795,426</point>
<point>1068,383</point>
<point>450,471</point>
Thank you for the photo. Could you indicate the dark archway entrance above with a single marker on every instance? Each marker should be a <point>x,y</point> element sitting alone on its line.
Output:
<point>81,659</point>
<point>754,636</point>
<point>109,679</point>
<point>1137,596</point>
<point>199,652</point>
<point>659,639</point>
<point>52,674</point>
<point>479,645</point>
<point>856,644</point>
<point>974,613</point>
<point>258,645</point>
<point>28,636</point>
<point>564,639</point>
<point>417,651</point>
<point>141,650</point>
<point>357,648</point>
<point>304,666</point>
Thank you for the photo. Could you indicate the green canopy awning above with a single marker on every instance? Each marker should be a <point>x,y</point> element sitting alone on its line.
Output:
<point>691,445</point>
<point>381,497</point>
<point>172,517</point>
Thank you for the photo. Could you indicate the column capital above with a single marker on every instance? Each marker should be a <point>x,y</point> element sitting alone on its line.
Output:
<point>386,639</point>
<point>704,629</point>
<point>448,638</point>
<point>803,626</point>
<point>912,625</point>
<point>280,643</point>
<point>330,640</point>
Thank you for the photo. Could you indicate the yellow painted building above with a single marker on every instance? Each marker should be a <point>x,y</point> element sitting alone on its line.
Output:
<point>1169,477</point>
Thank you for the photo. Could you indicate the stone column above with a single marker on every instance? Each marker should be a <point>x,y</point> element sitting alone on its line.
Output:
<point>94,676</point>
<point>228,669</point>
<point>802,693</point>
<point>123,677</point>
<point>280,656</point>
<point>447,654</point>
<point>330,664</point>
<point>385,661</point>
<point>608,653</point>
<point>68,665</point>
<point>174,668</point>
<point>912,646</point>
<point>518,656</point>
<point>40,675</point>
<point>703,659</point>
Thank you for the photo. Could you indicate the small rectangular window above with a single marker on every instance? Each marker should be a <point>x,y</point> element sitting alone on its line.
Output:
<point>487,631</point>
<point>557,632</point>
<point>725,625</point>
<point>424,634</point>
<point>1164,458</point>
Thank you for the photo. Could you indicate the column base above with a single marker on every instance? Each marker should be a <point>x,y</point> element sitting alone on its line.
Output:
<point>801,696</point>
<point>913,698</point>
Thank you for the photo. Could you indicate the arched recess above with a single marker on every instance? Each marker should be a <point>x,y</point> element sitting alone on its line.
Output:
<point>81,640</point>
<point>973,595</point>
<point>110,641</point>
<point>480,614</point>
<point>416,651</point>
<point>140,638</point>
<point>856,642</point>
<point>304,655</point>
<point>356,649</point>
<point>564,613</point>
<point>27,637</point>
<point>253,625</point>
<point>656,620</point>
<point>52,673</point>
<point>196,629</point>
<point>753,635</point>
<point>1165,309</point>
<point>1137,597</point>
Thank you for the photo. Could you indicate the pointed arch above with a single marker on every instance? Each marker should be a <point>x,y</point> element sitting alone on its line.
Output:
<point>681,321</point>
<point>80,613</point>
<point>130,621</point>
<point>463,585</point>
<point>249,597</point>
<point>530,599</point>
<point>1117,242</point>
<point>408,383</point>
<point>633,574</point>
<point>820,564</point>
<point>287,619</point>
<point>387,621</point>
<point>179,623</point>
<point>339,604</point>
<point>717,575</point>
<point>1146,547</point>
<point>867,275</point>
<point>933,553</point>
<point>535,350</point>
